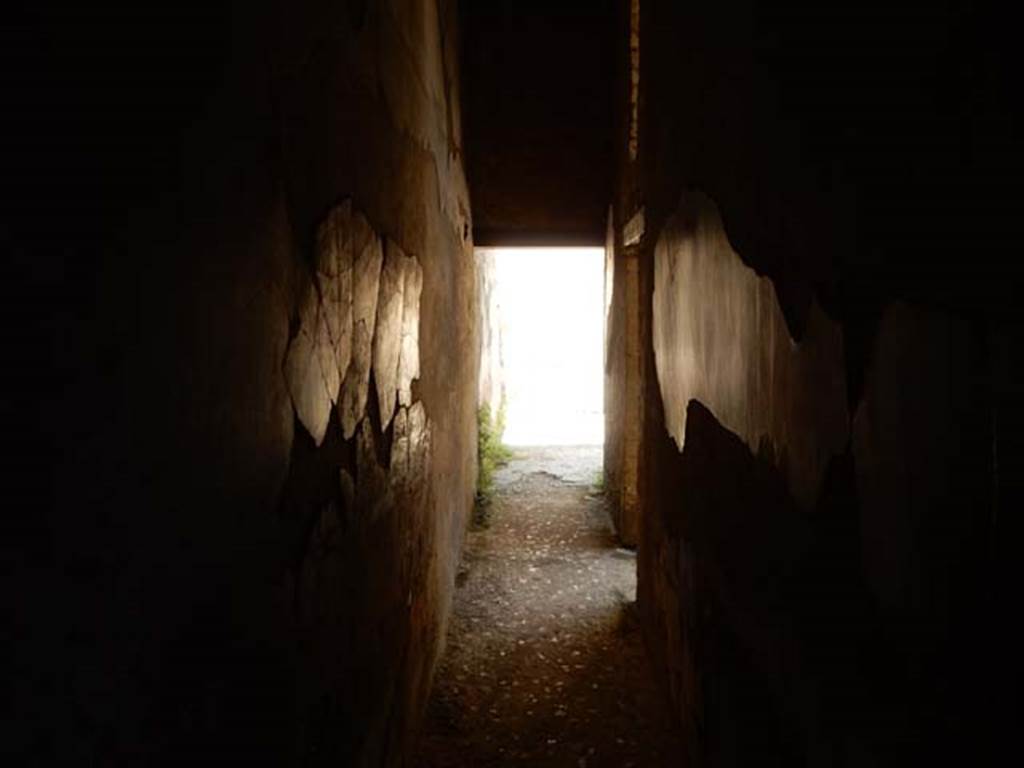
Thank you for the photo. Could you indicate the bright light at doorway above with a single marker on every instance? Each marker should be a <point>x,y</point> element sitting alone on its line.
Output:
<point>552,308</point>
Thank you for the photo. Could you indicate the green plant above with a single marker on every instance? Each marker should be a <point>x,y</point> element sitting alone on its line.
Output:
<point>491,454</point>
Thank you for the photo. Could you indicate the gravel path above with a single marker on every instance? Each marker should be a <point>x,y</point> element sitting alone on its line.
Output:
<point>544,663</point>
<point>579,464</point>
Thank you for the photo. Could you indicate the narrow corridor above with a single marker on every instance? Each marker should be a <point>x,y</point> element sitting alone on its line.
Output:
<point>544,663</point>
<point>258,331</point>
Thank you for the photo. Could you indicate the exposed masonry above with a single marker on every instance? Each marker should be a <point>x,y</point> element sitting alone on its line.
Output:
<point>362,313</point>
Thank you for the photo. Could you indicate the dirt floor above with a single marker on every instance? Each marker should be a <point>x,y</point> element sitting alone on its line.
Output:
<point>544,664</point>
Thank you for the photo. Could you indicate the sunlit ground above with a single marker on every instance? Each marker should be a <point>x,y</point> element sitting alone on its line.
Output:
<point>553,311</point>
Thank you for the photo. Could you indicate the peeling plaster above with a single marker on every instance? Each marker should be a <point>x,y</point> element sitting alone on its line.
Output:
<point>359,319</point>
<point>387,340</point>
<point>409,362</point>
<point>366,282</point>
<point>720,337</point>
<point>334,275</point>
<point>304,375</point>
<point>326,356</point>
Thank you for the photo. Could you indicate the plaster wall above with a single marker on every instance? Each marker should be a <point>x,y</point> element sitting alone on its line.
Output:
<point>267,296</point>
<point>821,362</point>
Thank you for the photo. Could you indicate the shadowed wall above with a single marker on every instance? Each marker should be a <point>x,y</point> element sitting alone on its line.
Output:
<point>231,218</point>
<point>827,316</point>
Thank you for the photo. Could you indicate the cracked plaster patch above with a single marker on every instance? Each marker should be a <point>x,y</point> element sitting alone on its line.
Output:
<point>366,280</point>
<point>335,278</point>
<point>307,385</point>
<point>409,362</point>
<point>326,357</point>
<point>387,340</point>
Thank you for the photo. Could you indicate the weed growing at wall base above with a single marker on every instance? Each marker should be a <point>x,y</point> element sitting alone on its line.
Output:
<point>491,454</point>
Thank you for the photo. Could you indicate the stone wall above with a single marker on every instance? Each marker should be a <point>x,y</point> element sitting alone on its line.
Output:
<point>824,339</point>
<point>622,390</point>
<point>492,359</point>
<point>265,301</point>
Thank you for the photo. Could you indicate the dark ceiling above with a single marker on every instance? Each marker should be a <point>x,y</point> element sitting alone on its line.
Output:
<point>539,121</point>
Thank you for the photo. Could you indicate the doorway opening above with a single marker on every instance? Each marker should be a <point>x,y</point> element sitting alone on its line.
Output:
<point>548,306</point>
